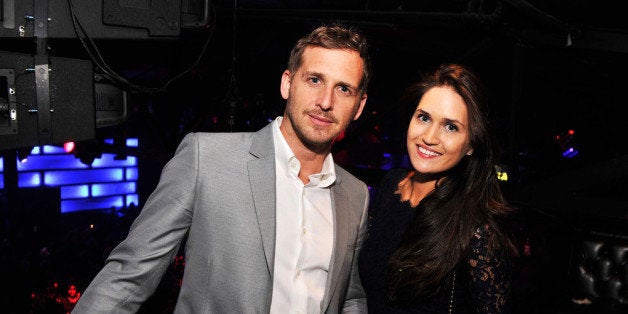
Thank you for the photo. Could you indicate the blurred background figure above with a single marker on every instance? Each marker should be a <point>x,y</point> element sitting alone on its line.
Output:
<point>70,299</point>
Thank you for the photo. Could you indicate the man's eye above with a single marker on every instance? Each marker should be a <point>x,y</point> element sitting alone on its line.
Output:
<point>314,80</point>
<point>346,90</point>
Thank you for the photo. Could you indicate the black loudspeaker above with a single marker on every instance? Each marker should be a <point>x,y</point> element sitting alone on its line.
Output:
<point>103,19</point>
<point>51,100</point>
<point>45,103</point>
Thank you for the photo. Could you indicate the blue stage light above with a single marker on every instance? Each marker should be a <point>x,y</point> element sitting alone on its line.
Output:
<point>132,142</point>
<point>74,191</point>
<point>131,174</point>
<point>56,178</point>
<point>107,183</point>
<point>44,162</point>
<point>104,189</point>
<point>108,203</point>
<point>570,153</point>
<point>132,199</point>
<point>108,160</point>
<point>28,179</point>
<point>49,149</point>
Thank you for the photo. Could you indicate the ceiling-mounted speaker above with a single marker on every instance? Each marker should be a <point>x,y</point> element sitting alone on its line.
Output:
<point>105,19</point>
<point>69,101</point>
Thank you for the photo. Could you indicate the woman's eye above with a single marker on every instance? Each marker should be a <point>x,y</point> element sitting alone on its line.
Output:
<point>423,117</point>
<point>451,127</point>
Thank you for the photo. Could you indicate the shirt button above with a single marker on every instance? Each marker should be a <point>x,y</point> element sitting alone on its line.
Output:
<point>304,231</point>
<point>298,273</point>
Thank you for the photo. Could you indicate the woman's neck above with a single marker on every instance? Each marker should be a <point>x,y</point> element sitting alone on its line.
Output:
<point>415,187</point>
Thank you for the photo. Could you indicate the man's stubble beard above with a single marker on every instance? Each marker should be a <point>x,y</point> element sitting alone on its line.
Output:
<point>308,139</point>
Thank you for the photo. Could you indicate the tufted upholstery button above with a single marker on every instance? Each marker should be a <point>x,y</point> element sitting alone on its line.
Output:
<point>602,269</point>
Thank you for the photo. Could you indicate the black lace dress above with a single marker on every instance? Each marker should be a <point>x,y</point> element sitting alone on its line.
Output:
<point>481,282</point>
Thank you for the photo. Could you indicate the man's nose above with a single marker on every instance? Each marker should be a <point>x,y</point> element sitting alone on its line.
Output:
<point>326,98</point>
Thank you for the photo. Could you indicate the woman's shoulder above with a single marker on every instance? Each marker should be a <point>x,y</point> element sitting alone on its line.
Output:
<point>390,182</point>
<point>388,185</point>
<point>394,176</point>
<point>385,192</point>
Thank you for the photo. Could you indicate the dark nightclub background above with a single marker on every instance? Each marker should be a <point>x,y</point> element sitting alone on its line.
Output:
<point>128,79</point>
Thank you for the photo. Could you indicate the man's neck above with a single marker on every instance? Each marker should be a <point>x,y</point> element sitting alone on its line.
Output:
<point>311,160</point>
<point>311,164</point>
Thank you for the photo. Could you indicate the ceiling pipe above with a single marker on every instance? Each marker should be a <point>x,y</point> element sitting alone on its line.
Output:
<point>399,18</point>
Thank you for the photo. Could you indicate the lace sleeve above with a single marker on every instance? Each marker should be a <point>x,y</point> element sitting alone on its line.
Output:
<point>490,275</point>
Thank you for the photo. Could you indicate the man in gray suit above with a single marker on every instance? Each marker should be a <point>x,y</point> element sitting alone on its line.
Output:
<point>272,224</point>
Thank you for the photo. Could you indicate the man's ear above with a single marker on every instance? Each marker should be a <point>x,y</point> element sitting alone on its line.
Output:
<point>284,87</point>
<point>360,107</point>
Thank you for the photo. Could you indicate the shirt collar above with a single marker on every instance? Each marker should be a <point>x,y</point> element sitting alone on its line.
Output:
<point>287,161</point>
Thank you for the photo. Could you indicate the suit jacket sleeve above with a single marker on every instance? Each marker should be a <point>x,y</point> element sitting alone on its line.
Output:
<point>355,301</point>
<point>134,268</point>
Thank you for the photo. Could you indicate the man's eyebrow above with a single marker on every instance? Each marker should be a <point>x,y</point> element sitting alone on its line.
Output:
<point>342,83</point>
<point>322,77</point>
<point>314,73</point>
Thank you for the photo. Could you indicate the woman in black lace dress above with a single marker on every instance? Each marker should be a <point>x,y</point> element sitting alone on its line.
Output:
<point>435,244</point>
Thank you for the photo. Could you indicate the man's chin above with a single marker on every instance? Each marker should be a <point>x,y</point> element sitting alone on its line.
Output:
<point>319,145</point>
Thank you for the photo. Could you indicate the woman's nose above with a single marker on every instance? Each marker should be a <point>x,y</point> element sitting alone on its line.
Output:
<point>430,136</point>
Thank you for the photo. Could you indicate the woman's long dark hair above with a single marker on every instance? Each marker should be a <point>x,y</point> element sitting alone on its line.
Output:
<point>467,198</point>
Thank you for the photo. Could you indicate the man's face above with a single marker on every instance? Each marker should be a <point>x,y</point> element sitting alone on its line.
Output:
<point>322,97</point>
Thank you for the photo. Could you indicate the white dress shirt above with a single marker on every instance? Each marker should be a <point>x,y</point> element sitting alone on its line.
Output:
<point>305,232</point>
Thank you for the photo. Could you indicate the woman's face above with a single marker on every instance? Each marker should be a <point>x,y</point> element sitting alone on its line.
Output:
<point>438,135</point>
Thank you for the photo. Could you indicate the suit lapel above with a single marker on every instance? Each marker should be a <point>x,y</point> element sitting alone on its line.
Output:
<point>340,205</point>
<point>262,178</point>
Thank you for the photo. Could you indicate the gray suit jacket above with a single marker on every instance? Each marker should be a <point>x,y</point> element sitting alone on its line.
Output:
<point>219,191</point>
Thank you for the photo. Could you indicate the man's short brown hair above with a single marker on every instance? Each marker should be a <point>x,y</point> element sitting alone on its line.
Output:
<point>335,36</point>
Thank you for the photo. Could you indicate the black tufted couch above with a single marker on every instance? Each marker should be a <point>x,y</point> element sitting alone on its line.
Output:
<point>600,271</point>
<point>577,263</point>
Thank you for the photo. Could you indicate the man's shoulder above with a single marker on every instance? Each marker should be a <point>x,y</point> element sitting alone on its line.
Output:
<point>233,138</point>
<point>221,136</point>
